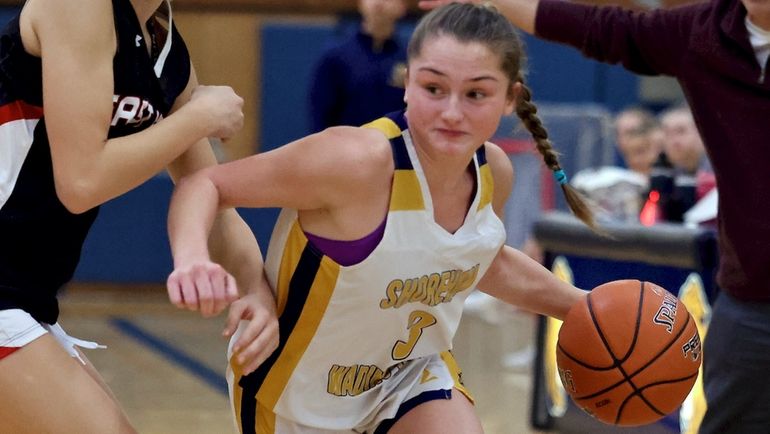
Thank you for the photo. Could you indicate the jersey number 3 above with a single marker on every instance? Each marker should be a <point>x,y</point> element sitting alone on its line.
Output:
<point>418,320</point>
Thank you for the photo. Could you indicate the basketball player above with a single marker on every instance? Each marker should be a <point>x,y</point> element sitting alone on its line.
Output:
<point>718,50</point>
<point>95,99</point>
<point>385,230</point>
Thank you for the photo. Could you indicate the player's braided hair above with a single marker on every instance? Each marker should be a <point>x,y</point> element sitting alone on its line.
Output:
<point>468,22</point>
<point>527,112</point>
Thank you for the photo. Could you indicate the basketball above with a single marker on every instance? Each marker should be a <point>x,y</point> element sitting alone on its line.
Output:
<point>628,353</point>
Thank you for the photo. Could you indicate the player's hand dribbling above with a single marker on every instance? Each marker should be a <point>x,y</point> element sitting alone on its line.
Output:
<point>222,109</point>
<point>203,286</point>
<point>258,334</point>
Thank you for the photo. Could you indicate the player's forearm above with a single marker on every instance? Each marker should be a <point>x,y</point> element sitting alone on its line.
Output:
<point>191,216</point>
<point>90,170</point>
<point>234,246</point>
<point>517,279</point>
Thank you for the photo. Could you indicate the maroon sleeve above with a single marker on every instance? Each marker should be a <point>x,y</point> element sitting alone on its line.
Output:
<point>651,42</point>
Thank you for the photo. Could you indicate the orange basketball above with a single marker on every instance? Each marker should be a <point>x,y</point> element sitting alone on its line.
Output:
<point>629,353</point>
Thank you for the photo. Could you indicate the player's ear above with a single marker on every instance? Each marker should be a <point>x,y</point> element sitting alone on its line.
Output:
<point>513,95</point>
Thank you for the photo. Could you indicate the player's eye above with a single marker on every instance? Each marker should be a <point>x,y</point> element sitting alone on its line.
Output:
<point>475,94</point>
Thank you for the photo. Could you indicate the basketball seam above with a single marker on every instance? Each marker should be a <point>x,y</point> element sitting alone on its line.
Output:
<point>616,362</point>
<point>641,395</point>
<point>639,309</point>
<point>582,363</point>
<point>629,379</point>
<point>635,373</point>
<point>657,383</point>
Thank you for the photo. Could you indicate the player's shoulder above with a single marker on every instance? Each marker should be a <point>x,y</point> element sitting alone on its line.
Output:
<point>357,151</point>
<point>59,21</point>
<point>497,159</point>
<point>360,147</point>
<point>68,11</point>
<point>353,160</point>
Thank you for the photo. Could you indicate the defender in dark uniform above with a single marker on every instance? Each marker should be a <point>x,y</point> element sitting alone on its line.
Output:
<point>93,102</point>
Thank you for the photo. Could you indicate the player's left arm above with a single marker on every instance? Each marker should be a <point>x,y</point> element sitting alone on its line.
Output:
<point>514,277</point>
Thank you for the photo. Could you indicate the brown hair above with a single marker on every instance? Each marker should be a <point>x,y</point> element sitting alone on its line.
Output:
<point>476,23</point>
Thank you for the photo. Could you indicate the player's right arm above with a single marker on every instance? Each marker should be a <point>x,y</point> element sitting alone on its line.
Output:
<point>326,173</point>
<point>340,168</point>
<point>77,43</point>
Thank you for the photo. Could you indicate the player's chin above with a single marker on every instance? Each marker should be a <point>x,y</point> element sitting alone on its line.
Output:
<point>454,144</point>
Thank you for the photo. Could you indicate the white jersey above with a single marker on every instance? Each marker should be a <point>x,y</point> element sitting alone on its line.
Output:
<point>347,330</point>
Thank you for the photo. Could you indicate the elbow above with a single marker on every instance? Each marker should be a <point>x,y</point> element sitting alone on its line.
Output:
<point>189,180</point>
<point>196,180</point>
<point>77,196</point>
<point>199,184</point>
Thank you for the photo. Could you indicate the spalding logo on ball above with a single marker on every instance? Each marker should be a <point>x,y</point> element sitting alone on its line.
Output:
<point>628,353</point>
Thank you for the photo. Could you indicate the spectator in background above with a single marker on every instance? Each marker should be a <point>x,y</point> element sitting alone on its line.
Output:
<point>361,78</point>
<point>617,192</point>
<point>692,175</point>
<point>682,142</point>
<point>637,138</point>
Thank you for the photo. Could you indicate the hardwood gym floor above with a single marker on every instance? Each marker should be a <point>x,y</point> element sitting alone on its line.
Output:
<point>166,366</point>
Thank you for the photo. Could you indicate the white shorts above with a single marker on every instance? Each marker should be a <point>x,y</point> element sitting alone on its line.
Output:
<point>18,328</point>
<point>418,381</point>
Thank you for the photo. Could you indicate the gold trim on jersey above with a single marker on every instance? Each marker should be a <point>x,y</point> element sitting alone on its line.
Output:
<point>265,420</point>
<point>237,390</point>
<point>305,284</point>
<point>387,126</point>
<point>406,193</point>
<point>487,186</point>
<point>457,375</point>
<point>303,331</point>
<point>292,252</point>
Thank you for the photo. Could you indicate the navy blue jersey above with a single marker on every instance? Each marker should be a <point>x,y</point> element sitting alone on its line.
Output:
<point>40,241</point>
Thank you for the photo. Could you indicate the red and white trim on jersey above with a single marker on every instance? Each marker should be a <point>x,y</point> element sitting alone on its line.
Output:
<point>17,328</point>
<point>17,126</point>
